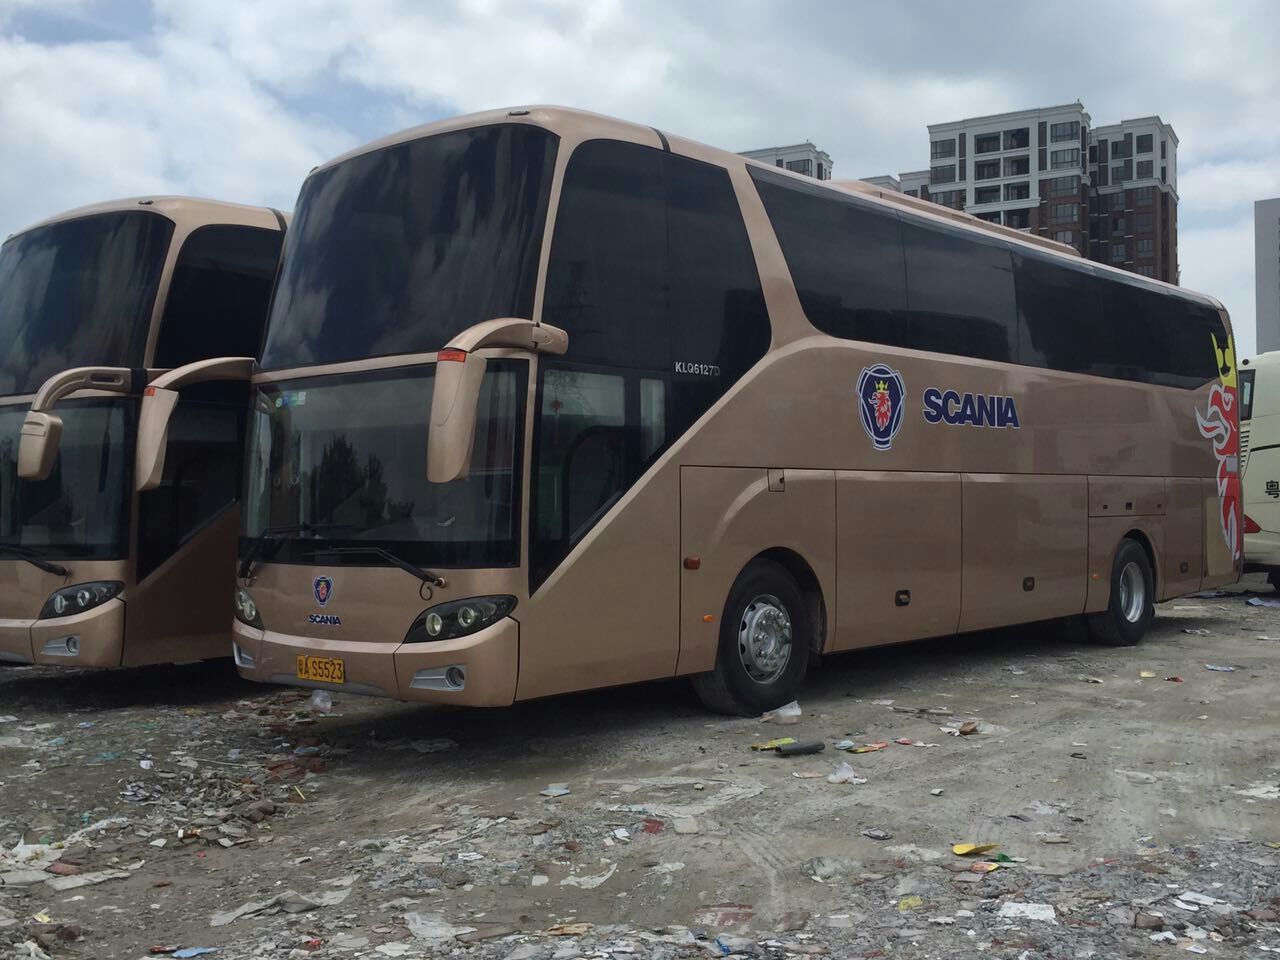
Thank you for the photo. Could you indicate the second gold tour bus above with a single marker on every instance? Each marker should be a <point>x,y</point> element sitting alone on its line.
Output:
<point>1260,463</point>
<point>95,306</point>
<point>549,401</point>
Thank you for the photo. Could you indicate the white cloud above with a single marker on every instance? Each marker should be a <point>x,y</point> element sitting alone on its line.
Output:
<point>1212,261</point>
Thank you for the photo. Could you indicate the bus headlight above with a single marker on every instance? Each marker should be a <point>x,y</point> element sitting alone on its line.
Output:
<point>459,618</point>
<point>246,609</point>
<point>83,596</point>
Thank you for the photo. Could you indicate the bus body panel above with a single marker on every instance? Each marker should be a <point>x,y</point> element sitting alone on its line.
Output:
<point>608,613</point>
<point>98,632</point>
<point>1024,549</point>
<point>1260,449</point>
<point>180,610</point>
<point>1105,536</point>
<point>1183,562</point>
<point>730,515</point>
<point>1221,566</point>
<point>897,531</point>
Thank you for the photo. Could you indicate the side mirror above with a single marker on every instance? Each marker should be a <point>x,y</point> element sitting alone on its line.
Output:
<point>38,446</point>
<point>42,430</point>
<point>456,393</point>
<point>158,401</point>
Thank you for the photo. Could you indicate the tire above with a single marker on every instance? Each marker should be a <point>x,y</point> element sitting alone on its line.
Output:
<point>1132,604</point>
<point>1273,578</point>
<point>765,605</point>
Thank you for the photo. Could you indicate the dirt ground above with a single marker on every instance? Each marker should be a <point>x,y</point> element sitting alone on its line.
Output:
<point>1135,815</point>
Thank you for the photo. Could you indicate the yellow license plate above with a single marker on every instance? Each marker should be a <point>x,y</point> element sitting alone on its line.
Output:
<point>325,669</point>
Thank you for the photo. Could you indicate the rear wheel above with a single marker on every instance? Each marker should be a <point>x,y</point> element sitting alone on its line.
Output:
<point>1273,578</point>
<point>1132,605</point>
<point>765,639</point>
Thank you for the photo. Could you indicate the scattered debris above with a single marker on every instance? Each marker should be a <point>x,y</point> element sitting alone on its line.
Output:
<point>1041,912</point>
<point>556,790</point>
<point>787,713</point>
<point>1219,668</point>
<point>845,774</point>
<point>877,834</point>
<point>970,849</point>
<point>1087,679</point>
<point>1263,602</point>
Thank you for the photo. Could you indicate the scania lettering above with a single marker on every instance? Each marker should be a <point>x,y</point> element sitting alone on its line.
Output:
<point>949,406</point>
<point>506,465</point>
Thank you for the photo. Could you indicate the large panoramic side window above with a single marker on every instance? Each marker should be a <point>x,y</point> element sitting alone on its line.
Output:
<point>217,300</point>
<point>652,276</point>
<point>396,250</point>
<point>78,293</point>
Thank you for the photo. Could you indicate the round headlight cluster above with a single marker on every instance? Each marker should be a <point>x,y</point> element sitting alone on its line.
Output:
<point>247,609</point>
<point>84,596</point>
<point>458,618</point>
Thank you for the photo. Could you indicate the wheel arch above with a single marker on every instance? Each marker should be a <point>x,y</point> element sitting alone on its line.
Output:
<point>810,586</point>
<point>1143,540</point>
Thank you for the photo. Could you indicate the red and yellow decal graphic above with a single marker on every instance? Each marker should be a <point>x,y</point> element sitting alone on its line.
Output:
<point>1221,425</point>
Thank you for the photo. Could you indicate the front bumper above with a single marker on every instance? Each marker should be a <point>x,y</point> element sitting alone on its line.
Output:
<point>94,638</point>
<point>486,662</point>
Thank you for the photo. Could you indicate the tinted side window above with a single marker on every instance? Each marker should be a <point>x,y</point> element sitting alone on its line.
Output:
<point>607,278</point>
<point>960,295</point>
<point>201,471</point>
<point>716,313</point>
<point>845,258</point>
<point>219,294</point>
<point>1059,315</point>
<point>1193,330</point>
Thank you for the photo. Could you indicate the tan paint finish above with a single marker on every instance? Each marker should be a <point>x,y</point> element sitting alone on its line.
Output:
<point>1184,538</point>
<point>750,519</point>
<point>1126,496</point>
<point>620,609</point>
<point>1220,568</point>
<point>98,630</point>
<point>894,532</point>
<point>182,610</point>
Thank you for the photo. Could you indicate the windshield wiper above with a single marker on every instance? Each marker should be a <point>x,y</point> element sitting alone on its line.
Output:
<point>273,534</point>
<point>426,576</point>
<point>33,558</point>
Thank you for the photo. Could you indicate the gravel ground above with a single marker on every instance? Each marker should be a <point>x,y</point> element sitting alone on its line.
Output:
<point>147,812</point>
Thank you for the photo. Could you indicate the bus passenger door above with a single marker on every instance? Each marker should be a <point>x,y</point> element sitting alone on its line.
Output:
<point>186,529</point>
<point>898,556</point>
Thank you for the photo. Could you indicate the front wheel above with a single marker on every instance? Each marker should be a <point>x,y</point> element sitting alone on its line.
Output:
<point>765,639</point>
<point>1132,605</point>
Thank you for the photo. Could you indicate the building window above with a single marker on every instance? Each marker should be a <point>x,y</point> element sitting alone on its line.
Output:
<point>1146,248</point>
<point>1018,219</point>
<point>1117,224</point>
<point>1017,191</point>
<point>1163,177</point>
<point>1146,269</point>
<point>1064,211</point>
<point>993,217</point>
<point>1093,153</point>
<point>986,143</point>
<point>941,149</point>
<point>1017,166</point>
<point>1059,132</point>
<point>1144,169</point>
<point>1117,253</point>
<point>1063,186</point>
<point>986,195</point>
<point>1065,236</point>
<point>1144,142</point>
<point>1164,145</point>
<point>1116,200</point>
<point>1018,139</point>
<point>949,198</point>
<point>1144,223</point>
<point>780,163</point>
<point>944,174</point>
<point>986,170</point>
<point>1065,158</point>
<point>1144,196</point>
<point>801,166</point>
<point>912,192</point>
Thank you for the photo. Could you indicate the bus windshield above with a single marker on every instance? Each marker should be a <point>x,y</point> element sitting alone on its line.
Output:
<point>79,510</point>
<point>78,293</point>
<point>341,461</point>
<point>396,250</point>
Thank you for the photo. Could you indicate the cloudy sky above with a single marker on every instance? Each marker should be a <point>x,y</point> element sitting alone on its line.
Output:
<point>238,100</point>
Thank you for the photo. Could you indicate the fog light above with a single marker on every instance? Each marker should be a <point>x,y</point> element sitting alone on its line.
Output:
<point>455,677</point>
<point>73,646</point>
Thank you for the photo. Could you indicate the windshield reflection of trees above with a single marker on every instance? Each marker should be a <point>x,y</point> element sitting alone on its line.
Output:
<point>348,493</point>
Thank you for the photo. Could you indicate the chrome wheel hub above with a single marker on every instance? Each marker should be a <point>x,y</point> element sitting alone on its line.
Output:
<point>1133,592</point>
<point>764,638</point>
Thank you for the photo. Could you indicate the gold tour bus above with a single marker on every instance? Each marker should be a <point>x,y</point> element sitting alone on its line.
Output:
<point>95,304</point>
<point>1260,463</point>
<point>549,401</point>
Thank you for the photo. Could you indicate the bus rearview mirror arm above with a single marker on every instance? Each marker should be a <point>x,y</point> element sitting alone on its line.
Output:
<point>456,392</point>
<point>42,430</point>
<point>158,401</point>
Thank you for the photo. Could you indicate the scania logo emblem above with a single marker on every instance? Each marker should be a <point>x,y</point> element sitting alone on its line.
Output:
<point>322,587</point>
<point>880,394</point>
